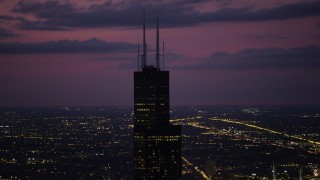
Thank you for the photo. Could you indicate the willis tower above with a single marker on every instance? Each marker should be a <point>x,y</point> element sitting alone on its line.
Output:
<point>157,144</point>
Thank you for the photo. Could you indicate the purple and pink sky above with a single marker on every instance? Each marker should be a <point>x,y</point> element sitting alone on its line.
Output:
<point>79,52</point>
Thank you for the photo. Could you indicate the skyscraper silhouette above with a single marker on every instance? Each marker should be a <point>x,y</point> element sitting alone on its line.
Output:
<point>157,144</point>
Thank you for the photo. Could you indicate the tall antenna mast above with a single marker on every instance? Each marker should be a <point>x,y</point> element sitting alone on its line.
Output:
<point>157,45</point>
<point>138,56</point>
<point>163,56</point>
<point>144,56</point>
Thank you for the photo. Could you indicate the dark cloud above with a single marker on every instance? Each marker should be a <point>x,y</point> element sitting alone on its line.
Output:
<point>267,36</point>
<point>11,18</point>
<point>42,9</point>
<point>52,14</point>
<point>65,46</point>
<point>303,57</point>
<point>4,17</point>
<point>38,25</point>
<point>4,33</point>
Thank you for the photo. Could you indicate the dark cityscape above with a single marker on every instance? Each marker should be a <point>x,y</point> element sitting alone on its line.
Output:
<point>222,142</point>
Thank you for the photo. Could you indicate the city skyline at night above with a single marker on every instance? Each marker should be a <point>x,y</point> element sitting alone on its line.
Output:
<point>222,142</point>
<point>70,52</point>
<point>229,91</point>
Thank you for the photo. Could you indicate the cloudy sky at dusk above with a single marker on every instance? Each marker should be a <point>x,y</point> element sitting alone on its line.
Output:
<point>80,52</point>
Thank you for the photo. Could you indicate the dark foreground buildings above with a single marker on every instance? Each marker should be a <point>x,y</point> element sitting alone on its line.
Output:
<point>157,144</point>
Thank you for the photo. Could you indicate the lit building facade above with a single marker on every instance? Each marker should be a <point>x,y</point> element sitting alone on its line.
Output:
<point>157,144</point>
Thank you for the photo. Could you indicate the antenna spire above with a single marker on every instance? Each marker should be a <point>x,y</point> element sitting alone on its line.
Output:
<point>157,45</point>
<point>163,56</point>
<point>138,56</point>
<point>144,56</point>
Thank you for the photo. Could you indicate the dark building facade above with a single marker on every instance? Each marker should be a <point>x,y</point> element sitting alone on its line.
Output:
<point>157,144</point>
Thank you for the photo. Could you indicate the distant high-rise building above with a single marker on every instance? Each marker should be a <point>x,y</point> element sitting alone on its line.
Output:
<point>300,173</point>
<point>274,171</point>
<point>210,168</point>
<point>157,144</point>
